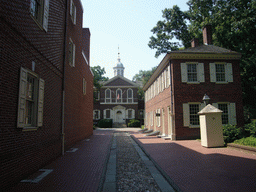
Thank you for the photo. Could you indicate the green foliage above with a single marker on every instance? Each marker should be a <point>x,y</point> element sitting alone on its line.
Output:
<point>134,123</point>
<point>233,25</point>
<point>231,133</point>
<point>98,73</point>
<point>105,123</point>
<point>248,141</point>
<point>94,127</point>
<point>251,129</point>
<point>142,126</point>
<point>144,75</point>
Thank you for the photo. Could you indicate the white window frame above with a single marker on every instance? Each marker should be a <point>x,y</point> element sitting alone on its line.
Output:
<point>120,96</point>
<point>72,53</point>
<point>105,113</point>
<point>199,69</point>
<point>158,118</point>
<point>130,99</point>
<point>73,12</point>
<point>108,98</point>
<point>231,111</point>
<point>186,114</point>
<point>228,73</point>
<point>94,113</point>
<point>132,114</point>
<point>42,14</point>
<point>37,116</point>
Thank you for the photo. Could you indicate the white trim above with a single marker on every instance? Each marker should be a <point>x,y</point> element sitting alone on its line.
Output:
<point>85,57</point>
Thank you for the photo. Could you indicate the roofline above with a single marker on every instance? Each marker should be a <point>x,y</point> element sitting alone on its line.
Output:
<point>124,78</point>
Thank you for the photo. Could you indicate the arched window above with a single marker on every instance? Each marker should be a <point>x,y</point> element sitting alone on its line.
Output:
<point>119,96</point>
<point>130,95</point>
<point>107,95</point>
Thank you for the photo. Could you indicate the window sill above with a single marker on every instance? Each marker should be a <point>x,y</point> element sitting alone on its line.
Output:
<point>30,128</point>
<point>193,82</point>
<point>194,126</point>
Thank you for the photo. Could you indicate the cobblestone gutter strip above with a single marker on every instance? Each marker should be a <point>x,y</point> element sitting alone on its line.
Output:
<point>132,173</point>
<point>247,148</point>
<point>170,181</point>
<point>107,161</point>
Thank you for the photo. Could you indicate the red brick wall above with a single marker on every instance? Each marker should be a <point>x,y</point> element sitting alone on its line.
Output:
<point>78,107</point>
<point>184,93</point>
<point>22,41</point>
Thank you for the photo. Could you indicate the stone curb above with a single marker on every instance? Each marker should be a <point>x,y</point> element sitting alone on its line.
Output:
<point>247,148</point>
<point>168,179</point>
<point>103,175</point>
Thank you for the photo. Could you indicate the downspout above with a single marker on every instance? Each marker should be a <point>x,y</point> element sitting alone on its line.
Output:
<point>63,81</point>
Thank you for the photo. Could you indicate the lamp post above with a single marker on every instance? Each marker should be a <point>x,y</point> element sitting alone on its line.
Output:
<point>206,99</point>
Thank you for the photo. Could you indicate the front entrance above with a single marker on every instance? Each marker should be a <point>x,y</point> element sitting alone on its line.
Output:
<point>119,117</point>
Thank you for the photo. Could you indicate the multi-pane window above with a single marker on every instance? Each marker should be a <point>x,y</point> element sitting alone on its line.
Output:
<point>108,95</point>
<point>224,116</point>
<point>192,72</point>
<point>220,73</point>
<point>31,98</point>
<point>193,114</point>
<point>96,114</point>
<point>39,9</point>
<point>73,12</point>
<point>118,95</point>
<point>129,95</point>
<point>72,51</point>
<point>96,95</point>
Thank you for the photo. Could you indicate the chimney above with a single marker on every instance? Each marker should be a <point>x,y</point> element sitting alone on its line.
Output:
<point>195,42</point>
<point>207,35</point>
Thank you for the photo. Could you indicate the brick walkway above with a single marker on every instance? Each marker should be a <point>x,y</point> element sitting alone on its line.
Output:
<point>195,168</point>
<point>77,171</point>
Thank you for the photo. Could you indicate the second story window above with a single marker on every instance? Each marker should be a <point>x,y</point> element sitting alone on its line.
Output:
<point>118,95</point>
<point>221,72</point>
<point>108,96</point>
<point>39,9</point>
<point>129,95</point>
<point>73,12</point>
<point>192,72</point>
<point>72,53</point>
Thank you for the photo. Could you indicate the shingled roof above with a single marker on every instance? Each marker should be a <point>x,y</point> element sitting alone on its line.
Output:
<point>205,49</point>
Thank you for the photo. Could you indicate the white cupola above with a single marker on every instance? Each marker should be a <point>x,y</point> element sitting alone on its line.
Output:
<point>119,68</point>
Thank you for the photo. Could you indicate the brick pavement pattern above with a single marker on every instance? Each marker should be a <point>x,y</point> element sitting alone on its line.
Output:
<point>196,168</point>
<point>78,171</point>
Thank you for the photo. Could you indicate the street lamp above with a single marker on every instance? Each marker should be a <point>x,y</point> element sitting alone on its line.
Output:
<point>206,99</point>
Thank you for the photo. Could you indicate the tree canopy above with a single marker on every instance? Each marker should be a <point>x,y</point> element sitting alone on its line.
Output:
<point>233,27</point>
<point>98,73</point>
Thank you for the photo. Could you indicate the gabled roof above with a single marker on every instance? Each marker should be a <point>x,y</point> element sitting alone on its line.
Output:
<point>127,81</point>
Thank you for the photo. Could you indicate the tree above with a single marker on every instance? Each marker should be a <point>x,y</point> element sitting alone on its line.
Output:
<point>143,76</point>
<point>98,77</point>
<point>233,27</point>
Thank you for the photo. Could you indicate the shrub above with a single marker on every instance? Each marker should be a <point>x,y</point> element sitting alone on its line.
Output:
<point>231,133</point>
<point>250,129</point>
<point>248,141</point>
<point>105,123</point>
<point>142,126</point>
<point>134,123</point>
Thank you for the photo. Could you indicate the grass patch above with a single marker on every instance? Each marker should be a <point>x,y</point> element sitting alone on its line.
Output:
<point>248,141</point>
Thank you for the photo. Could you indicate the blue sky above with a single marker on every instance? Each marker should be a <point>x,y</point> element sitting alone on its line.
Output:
<point>127,24</point>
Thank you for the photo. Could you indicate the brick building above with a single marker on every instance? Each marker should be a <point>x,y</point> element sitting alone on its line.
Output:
<point>174,93</point>
<point>118,99</point>
<point>46,88</point>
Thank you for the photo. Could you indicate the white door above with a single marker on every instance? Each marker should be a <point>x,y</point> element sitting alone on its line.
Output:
<point>119,117</point>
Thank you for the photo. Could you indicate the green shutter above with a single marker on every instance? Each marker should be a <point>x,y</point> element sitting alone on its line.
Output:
<point>40,103</point>
<point>212,72</point>
<point>183,67</point>
<point>232,114</point>
<point>229,72</point>
<point>22,98</point>
<point>186,119</point>
<point>200,72</point>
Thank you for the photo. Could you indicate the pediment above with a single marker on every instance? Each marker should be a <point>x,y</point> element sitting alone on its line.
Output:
<point>118,107</point>
<point>120,81</point>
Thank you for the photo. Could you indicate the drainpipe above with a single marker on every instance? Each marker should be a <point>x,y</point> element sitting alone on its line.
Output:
<point>63,81</point>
